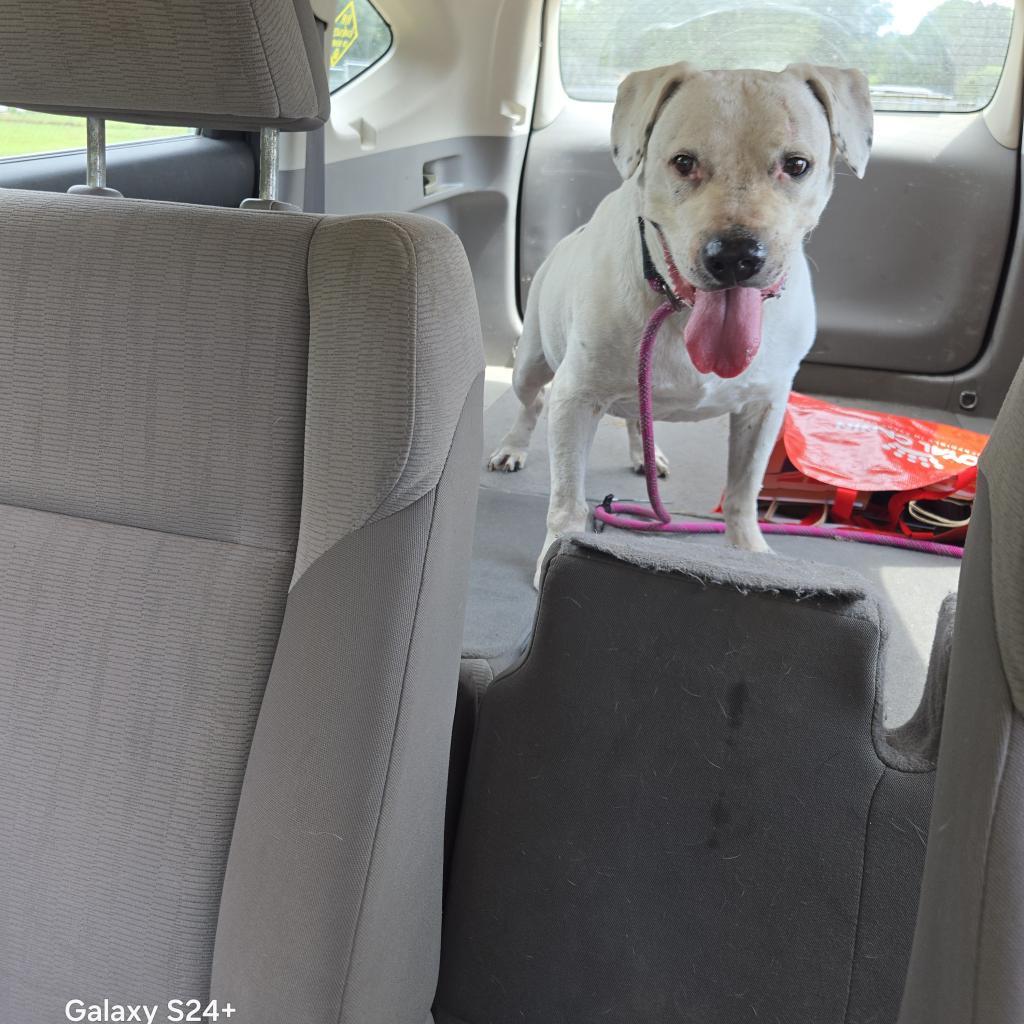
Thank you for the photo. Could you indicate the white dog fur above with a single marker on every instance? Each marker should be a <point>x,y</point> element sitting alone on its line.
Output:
<point>702,155</point>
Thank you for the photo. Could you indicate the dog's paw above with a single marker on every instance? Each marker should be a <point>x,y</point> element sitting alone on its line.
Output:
<point>748,539</point>
<point>660,460</point>
<point>507,460</point>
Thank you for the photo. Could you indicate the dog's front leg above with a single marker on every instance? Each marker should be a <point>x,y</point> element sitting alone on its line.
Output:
<point>572,422</point>
<point>752,435</point>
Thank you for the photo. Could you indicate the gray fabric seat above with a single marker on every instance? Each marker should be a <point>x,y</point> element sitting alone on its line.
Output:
<point>238,454</point>
<point>684,806</point>
<point>968,952</point>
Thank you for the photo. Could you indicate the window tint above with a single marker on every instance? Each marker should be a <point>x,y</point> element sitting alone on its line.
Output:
<point>26,133</point>
<point>359,38</point>
<point>918,54</point>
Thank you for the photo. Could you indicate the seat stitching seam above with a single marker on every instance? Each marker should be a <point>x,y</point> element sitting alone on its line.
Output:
<point>92,520</point>
<point>369,517</point>
<point>410,243</point>
<point>985,874</point>
<point>387,774</point>
<point>860,899</point>
<point>324,220</point>
<point>310,75</point>
<point>394,734</point>
<point>999,785</point>
<point>263,54</point>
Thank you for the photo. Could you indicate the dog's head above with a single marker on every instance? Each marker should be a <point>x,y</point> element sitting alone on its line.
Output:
<point>735,167</point>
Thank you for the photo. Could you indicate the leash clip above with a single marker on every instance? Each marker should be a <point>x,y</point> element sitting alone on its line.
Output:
<point>606,507</point>
<point>660,287</point>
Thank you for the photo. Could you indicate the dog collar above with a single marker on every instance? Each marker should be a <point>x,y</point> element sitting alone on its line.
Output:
<point>681,294</point>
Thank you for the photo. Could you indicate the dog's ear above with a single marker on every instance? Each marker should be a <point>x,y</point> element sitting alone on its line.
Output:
<point>845,95</point>
<point>640,100</point>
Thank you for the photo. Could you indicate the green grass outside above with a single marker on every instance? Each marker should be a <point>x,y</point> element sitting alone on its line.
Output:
<point>23,132</point>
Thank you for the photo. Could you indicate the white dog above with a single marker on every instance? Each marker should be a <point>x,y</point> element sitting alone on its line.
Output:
<point>724,175</point>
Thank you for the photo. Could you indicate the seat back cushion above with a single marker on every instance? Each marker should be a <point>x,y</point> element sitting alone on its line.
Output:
<point>151,450</point>
<point>682,806</point>
<point>969,943</point>
<point>154,441</point>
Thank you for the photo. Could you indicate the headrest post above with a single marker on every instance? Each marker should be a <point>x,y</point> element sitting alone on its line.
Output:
<point>268,176</point>
<point>96,152</point>
<point>269,153</point>
<point>95,162</point>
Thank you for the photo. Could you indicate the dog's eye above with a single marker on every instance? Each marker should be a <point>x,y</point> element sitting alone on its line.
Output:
<point>685,164</point>
<point>796,166</point>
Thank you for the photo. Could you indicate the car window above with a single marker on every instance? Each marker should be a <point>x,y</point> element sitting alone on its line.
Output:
<point>26,133</point>
<point>359,38</point>
<point>929,55</point>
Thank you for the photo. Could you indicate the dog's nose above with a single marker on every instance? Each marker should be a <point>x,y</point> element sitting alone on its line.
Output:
<point>733,259</point>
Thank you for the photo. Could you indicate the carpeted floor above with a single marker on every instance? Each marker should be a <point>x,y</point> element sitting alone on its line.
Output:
<point>510,532</point>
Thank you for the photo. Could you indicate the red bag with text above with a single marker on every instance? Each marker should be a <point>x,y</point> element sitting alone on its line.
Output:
<point>874,470</point>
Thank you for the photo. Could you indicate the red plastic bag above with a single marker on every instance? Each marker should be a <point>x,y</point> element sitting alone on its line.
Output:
<point>875,470</point>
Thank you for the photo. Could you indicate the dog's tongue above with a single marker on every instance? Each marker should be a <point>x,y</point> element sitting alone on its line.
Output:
<point>723,332</point>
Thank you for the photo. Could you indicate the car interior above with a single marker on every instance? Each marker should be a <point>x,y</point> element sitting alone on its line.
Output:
<point>286,732</point>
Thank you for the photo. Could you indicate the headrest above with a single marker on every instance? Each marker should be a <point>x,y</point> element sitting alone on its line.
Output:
<point>233,64</point>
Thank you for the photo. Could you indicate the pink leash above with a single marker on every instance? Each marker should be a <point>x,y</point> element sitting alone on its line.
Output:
<point>656,519</point>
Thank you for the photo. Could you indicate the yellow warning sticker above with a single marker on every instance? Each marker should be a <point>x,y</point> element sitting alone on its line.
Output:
<point>346,32</point>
